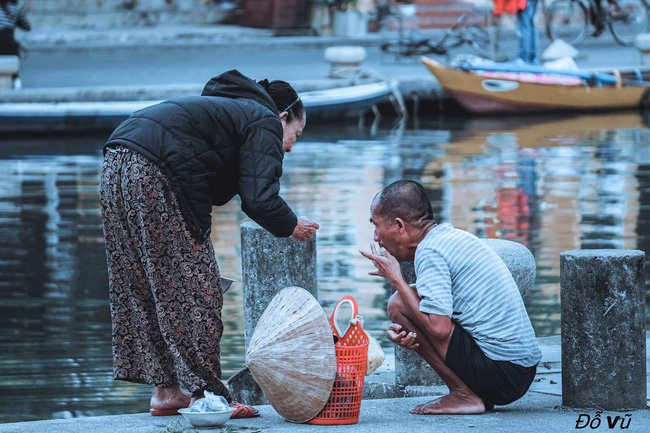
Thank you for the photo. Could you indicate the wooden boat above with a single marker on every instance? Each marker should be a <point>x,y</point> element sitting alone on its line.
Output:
<point>337,102</point>
<point>509,88</point>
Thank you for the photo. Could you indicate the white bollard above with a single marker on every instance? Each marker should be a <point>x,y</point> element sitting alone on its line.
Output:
<point>341,58</point>
<point>8,69</point>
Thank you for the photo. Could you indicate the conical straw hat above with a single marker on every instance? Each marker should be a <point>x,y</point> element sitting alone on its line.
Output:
<point>292,356</point>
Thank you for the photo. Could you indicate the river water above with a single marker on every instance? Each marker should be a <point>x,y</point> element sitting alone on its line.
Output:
<point>551,183</point>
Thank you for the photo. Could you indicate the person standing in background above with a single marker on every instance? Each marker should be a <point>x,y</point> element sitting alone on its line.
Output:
<point>11,16</point>
<point>528,37</point>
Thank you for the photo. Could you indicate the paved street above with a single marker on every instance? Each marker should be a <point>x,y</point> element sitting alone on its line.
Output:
<point>196,61</point>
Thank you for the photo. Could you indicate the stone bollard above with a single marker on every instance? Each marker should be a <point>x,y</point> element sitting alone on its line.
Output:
<point>410,368</point>
<point>269,264</point>
<point>603,329</point>
<point>8,69</point>
<point>519,261</point>
<point>342,58</point>
<point>642,43</point>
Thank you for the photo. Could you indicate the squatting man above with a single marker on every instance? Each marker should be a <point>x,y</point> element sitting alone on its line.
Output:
<point>464,316</point>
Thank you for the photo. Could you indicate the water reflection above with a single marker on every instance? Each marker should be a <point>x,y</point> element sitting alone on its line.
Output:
<point>551,184</point>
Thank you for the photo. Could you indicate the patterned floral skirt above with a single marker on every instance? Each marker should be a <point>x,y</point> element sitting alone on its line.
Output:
<point>164,286</point>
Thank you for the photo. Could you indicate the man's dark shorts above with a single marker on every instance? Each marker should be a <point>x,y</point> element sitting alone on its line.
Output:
<point>496,382</point>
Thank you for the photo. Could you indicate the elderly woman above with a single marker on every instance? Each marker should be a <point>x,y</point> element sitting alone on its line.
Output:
<point>164,168</point>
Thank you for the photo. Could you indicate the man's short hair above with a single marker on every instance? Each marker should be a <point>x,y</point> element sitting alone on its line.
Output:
<point>407,200</point>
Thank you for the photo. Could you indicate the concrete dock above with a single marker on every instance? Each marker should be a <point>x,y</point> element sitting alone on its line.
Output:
<point>540,410</point>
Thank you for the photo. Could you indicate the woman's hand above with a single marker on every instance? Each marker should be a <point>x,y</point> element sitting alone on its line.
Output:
<point>397,335</point>
<point>305,228</point>
<point>387,266</point>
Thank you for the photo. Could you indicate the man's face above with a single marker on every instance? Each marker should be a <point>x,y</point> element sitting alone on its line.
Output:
<point>387,233</point>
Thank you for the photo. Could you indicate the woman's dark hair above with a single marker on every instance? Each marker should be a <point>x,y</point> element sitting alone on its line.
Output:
<point>285,98</point>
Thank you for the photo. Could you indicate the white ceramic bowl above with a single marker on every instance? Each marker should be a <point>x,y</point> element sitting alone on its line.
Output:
<point>206,419</point>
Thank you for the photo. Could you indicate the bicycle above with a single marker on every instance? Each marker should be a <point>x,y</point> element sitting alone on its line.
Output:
<point>568,20</point>
<point>475,36</point>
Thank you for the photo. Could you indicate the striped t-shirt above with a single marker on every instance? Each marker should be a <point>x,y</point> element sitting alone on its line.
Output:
<point>13,16</point>
<point>461,277</point>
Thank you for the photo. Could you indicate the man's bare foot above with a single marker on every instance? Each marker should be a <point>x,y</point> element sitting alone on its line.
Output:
<point>452,404</point>
<point>169,398</point>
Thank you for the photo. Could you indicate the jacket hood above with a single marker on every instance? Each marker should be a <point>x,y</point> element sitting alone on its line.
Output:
<point>233,84</point>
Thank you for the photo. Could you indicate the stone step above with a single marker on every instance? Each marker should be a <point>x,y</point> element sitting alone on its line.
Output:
<point>439,14</point>
<point>445,21</point>
<point>436,9</point>
<point>433,2</point>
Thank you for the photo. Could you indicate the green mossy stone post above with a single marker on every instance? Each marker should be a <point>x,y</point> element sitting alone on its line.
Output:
<point>269,264</point>
<point>603,329</point>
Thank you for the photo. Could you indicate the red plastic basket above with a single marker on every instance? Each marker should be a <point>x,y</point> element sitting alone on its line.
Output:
<point>344,403</point>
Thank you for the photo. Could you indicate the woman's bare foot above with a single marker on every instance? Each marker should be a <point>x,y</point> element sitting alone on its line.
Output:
<point>452,404</point>
<point>169,398</point>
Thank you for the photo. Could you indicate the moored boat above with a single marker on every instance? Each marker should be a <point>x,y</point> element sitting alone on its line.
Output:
<point>333,103</point>
<point>510,88</point>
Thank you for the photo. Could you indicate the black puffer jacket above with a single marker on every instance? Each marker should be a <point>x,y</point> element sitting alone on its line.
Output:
<point>225,142</point>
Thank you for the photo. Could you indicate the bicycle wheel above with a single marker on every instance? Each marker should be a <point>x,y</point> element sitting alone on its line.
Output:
<point>627,20</point>
<point>404,48</point>
<point>567,20</point>
<point>479,39</point>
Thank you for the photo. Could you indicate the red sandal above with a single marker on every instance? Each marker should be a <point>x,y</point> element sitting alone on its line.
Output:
<point>243,411</point>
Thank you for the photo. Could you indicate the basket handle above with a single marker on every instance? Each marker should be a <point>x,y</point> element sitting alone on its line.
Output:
<point>335,315</point>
